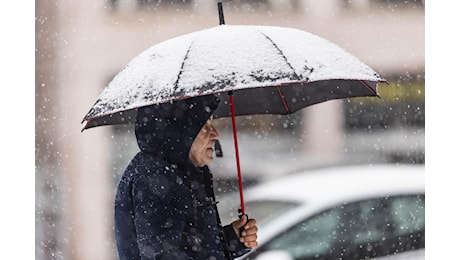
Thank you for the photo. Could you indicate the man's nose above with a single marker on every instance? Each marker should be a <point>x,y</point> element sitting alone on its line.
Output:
<point>213,133</point>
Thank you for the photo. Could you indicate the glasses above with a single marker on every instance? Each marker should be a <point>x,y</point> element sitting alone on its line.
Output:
<point>208,126</point>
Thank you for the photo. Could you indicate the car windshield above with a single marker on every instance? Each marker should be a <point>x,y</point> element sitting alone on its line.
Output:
<point>263,211</point>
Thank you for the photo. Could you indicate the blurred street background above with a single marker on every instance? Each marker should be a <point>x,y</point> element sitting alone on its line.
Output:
<point>81,45</point>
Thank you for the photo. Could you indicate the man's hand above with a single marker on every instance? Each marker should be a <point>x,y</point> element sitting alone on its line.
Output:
<point>249,234</point>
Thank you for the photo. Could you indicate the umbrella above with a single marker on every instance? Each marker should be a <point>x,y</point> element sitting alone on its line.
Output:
<point>252,69</point>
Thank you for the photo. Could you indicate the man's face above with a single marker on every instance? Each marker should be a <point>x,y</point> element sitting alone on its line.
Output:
<point>202,150</point>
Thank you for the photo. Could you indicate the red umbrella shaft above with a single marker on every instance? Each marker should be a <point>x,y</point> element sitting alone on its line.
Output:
<point>237,154</point>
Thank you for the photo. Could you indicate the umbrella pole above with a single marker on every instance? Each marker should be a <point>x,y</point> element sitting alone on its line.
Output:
<point>235,140</point>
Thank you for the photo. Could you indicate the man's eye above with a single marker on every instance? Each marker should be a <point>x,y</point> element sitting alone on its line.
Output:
<point>208,129</point>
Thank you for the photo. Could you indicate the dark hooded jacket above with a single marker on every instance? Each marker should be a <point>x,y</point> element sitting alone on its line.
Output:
<point>165,206</point>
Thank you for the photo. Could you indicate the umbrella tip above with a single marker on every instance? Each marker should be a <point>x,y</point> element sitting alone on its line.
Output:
<point>220,9</point>
<point>84,127</point>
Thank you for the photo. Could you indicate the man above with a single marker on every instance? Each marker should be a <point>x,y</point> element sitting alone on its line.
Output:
<point>165,206</point>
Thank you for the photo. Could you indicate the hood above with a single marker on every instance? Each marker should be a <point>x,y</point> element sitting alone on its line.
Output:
<point>168,130</point>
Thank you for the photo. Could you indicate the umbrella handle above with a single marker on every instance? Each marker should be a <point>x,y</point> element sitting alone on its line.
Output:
<point>241,229</point>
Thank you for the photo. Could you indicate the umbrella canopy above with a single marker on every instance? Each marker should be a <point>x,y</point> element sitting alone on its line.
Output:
<point>271,70</point>
<point>252,69</point>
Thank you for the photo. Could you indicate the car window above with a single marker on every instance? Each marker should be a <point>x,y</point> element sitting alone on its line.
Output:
<point>358,230</point>
<point>265,211</point>
<point>262,210</point>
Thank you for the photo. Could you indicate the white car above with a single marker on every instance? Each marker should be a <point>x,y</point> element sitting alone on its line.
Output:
<point>350,212</point>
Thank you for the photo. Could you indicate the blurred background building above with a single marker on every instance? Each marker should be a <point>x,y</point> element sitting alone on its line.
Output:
<point>81,45</point>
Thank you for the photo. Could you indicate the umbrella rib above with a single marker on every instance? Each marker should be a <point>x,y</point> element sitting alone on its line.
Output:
<point>282,55</point>
<point>283,99</point>
<point>182,67</point>
<point>368,87</point>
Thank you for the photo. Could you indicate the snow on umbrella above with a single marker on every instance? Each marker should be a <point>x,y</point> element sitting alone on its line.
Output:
<point>258,63</point>
<point>252,69</point>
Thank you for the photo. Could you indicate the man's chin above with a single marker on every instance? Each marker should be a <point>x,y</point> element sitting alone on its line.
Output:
<point>209,159</point>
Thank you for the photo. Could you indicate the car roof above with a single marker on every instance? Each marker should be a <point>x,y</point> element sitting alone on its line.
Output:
<point>341,183</point>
